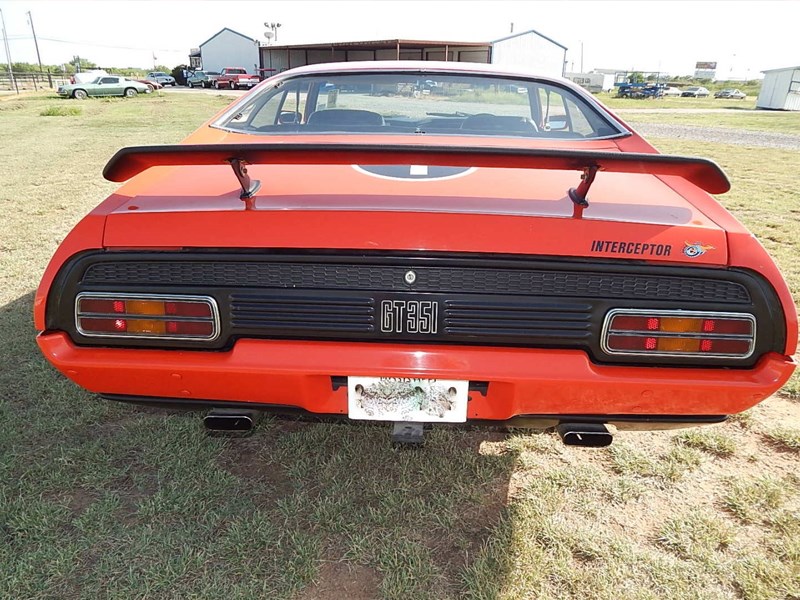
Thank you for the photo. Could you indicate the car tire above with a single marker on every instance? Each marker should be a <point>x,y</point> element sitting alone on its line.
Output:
<point>216,85</point>
<point>130,92</point>
<point>150,88</point>
<point>191,85</point>
<point>234,85</point>
<point>80,94</point>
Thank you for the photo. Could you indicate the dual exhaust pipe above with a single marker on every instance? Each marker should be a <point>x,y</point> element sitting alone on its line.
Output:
<point>242,422</point>
<point>587,435</point>
<point>231,421</point>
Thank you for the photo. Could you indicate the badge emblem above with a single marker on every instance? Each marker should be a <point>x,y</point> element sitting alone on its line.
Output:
<point>693,250</point>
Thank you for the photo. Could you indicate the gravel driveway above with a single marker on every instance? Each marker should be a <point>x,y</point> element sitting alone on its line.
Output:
<point>721,135</point>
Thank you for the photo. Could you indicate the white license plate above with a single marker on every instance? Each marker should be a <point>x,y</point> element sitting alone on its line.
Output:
<point>401,399</point>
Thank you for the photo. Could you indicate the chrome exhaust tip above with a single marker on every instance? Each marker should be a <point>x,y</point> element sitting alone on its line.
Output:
<point>231,421</point>
<point>588,435</point>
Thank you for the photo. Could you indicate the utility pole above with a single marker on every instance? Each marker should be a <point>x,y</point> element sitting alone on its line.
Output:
<point>36,43</point>
<point>8,52</point>
<point>582,71</point>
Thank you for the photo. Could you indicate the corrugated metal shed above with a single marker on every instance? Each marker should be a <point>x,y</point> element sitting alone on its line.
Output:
<point>780,89</point>
<point>281,58</point>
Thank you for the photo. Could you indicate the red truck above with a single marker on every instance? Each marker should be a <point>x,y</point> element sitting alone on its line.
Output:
<point>235,78</point>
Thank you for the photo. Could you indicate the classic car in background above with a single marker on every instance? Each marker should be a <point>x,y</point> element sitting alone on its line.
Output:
<point>204,79</point>
<point>107,85</point>
<point>695,92</point>
<point>152,85</point>
<point>161,77</point>
<point>506,251</point>
<point>730,93</point>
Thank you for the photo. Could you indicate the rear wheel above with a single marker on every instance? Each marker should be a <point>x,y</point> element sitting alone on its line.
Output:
<point>130,92</point>
<point>234,85</point>
<point>150,88</point>
<point>80,94</point>
<point>216,85</point>
<point>191,85</point>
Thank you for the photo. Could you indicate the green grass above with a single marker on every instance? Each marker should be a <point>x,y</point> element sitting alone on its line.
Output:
<point>768,121</point>
<point>61,111</point>
<point>105,500</point>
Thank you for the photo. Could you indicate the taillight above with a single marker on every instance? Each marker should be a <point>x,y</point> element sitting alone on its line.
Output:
<point>679,333</point>
<point>151,316</point>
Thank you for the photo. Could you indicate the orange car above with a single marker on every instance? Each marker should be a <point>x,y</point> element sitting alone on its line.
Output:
<point>419,243</point>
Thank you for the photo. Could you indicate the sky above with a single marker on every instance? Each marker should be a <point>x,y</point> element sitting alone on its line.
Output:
<point>743,37</point>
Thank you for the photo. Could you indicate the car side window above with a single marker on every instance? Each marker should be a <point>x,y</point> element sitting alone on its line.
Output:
<point>110,80</point>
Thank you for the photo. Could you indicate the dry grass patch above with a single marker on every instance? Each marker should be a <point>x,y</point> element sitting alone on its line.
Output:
<point>785,438</point>
<point>753,500</point>
<point>710,441</point>
<point>696,536</point>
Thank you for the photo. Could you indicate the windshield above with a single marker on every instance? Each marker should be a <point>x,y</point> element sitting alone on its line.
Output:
<point>429,103</point>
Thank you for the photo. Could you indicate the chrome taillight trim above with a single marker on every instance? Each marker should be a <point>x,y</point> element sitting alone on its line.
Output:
<point>214,320</point>
<point>680,314</point>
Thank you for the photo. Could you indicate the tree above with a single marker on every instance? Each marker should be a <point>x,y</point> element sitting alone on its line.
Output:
<point>177,73</point>
<point>81,64</point>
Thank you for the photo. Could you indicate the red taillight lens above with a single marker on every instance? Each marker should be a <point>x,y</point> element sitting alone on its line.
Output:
<point>153,316</point>
<point>679,333</point>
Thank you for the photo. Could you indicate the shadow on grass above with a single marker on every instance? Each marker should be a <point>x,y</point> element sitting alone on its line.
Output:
<point>135,501</point>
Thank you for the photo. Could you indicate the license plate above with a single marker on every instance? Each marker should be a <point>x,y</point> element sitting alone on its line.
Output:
<point>401,399</point>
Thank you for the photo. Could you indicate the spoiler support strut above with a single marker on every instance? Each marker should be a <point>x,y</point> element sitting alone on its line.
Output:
<point>249,186</point>
<point>578,196</point>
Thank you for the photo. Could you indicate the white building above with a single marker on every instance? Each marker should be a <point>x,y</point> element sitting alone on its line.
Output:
<point>226,48</point>
<point>530,51</point>
<point>780,89</point>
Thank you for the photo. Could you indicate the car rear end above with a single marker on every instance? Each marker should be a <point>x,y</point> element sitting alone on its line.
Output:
<point>377,277</point>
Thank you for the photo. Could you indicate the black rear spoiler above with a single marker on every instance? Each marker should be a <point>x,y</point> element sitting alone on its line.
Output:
<point>131,161</point>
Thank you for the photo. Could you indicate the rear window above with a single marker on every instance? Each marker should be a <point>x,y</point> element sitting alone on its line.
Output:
<point>424,104</point>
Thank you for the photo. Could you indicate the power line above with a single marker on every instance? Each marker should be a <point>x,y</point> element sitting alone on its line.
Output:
<point>28,37</point>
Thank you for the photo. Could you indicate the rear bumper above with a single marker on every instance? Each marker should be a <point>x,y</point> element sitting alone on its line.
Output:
<point>520,381</point>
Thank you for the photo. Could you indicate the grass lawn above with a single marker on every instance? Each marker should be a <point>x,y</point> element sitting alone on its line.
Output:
<point>105,500</point>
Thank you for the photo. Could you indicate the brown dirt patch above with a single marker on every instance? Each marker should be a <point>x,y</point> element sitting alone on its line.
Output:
<point>342,580</point>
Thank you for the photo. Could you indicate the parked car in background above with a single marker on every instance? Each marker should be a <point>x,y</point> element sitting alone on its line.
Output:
<point>161,78</point>
<point>695,92</point>
<point>419,260</point>
<point>730,93</point>
<point>204,79</point>
<point>153,85</point>
<point>109,85</point>
<point>235,78</point>
<point>671,92</point>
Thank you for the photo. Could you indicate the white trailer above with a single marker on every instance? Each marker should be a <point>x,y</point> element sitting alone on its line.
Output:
<point>780,89</point>
<point>593,82</point>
